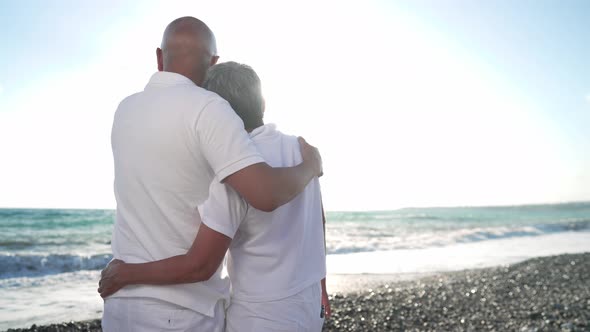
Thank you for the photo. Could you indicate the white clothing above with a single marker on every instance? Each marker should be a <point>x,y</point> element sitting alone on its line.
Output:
<point>169,142</point>
<point>296,313</point>
<point>272,255</point>
<point>147,315</point>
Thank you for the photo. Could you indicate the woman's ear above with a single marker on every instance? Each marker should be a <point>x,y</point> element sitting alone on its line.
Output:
<point>214,60</point>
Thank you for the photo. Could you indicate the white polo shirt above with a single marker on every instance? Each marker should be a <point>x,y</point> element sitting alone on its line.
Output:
<point>169,142</point>
<point>277,254</point>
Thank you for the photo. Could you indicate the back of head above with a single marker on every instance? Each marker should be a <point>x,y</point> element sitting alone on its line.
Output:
<point>188,48</point>
<point>240,86</point>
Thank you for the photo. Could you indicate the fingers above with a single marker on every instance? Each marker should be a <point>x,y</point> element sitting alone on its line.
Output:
<point>311,155</point>
<point>105,283</point>
<point>304,145</point>
<point>101,291</point>
<point>100,287</point>
<point>105,291</point>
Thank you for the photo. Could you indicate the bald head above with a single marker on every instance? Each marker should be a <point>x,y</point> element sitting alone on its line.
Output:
<point>188,48</point>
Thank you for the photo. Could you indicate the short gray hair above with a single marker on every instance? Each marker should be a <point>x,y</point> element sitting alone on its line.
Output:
<point>240,86</point>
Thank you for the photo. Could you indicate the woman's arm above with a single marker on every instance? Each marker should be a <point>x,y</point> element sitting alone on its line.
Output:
<point>325,298</point>
<point>198,264</point>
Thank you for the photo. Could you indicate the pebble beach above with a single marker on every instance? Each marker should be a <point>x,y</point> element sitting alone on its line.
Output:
<point>540,294</point>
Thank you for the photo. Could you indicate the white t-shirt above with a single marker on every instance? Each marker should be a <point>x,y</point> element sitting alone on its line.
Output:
<point>169,142</point>
<point>273,254</point>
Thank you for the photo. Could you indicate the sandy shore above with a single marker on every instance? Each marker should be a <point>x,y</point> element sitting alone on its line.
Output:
<point>541,294</point>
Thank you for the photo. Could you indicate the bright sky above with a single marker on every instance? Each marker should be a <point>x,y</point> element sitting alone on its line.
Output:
<point>412,103</point>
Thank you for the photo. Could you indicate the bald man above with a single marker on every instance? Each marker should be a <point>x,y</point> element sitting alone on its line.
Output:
<point>169,143</point>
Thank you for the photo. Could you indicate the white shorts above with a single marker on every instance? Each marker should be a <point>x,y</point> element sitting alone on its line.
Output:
<point>297,313</point>
<point>147,314</point>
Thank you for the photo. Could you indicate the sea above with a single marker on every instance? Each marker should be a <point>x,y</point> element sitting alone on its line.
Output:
<point>50,259</point>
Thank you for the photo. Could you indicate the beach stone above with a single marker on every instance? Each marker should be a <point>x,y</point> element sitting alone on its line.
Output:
<point>530,296</point>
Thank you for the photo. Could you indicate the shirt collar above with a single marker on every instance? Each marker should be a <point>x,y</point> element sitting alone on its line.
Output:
<point>166,78</point>
<point>268,129</point>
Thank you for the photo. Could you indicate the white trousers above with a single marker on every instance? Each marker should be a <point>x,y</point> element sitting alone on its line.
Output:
<point>297,313</point>
<point>146,315</point>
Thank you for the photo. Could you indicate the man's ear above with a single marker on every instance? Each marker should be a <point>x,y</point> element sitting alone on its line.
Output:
<point>263,105</point>
<point>160,58</point>
<point>214,60</point>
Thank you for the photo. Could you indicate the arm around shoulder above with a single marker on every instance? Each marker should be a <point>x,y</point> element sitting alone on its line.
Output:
<point>266,188</point>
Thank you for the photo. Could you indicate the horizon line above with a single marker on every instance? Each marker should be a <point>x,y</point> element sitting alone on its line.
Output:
<point>352,211</point>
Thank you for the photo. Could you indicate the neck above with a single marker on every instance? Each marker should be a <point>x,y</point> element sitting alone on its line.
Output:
<point>197,78</point>
<point>249,130</point>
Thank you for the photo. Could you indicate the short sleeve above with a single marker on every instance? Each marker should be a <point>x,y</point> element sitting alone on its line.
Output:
<point>224,210</point>
<point>223,140</point>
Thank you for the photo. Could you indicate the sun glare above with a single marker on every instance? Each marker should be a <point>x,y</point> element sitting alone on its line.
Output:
<point>400,110</point>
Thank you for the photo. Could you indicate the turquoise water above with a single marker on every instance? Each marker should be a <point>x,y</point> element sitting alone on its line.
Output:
<point>41,242</point>
<point>414,228</point>
<point>50,260</point>
<point>45,242</point>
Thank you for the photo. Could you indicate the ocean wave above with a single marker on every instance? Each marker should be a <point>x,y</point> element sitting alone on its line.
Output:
<point>379,238</point>
<point>12,266</point>
<point>16,244</point>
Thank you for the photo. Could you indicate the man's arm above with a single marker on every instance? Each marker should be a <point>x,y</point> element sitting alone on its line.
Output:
<point>198,264</point>
<point>232,155</point>
<point>267,188</point>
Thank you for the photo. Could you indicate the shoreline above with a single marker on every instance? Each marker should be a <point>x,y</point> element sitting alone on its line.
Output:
<point>539,294</point>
